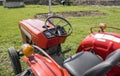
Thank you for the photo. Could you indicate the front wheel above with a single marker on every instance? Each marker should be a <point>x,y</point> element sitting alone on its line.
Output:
<point>15,62</point>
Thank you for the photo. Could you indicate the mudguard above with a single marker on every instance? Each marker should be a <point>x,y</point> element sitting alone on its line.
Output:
<point>42,66</point>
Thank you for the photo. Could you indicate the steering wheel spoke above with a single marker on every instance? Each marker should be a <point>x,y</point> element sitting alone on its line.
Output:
<point>65,25</point>
<point>50,22</point>
<point>58,22</point>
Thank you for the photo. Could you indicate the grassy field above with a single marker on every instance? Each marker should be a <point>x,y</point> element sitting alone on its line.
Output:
<point>10,34</point>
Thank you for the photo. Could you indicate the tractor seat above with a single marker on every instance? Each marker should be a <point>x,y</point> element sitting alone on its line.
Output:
<point>79,63</point>
<point>102,68</point>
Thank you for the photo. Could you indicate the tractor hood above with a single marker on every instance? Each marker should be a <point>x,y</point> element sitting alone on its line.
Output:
<point>42,66</point>
<point>33,30</point>
<point>33,25</point>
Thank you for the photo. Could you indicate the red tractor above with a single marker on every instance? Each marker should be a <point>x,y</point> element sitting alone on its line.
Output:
<point>48,35</point>
<point>102,43</point>
<point>97,55</point>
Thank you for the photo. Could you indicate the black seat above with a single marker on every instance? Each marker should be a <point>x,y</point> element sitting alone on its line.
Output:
<point>79,63</point>
<point>102,68</point>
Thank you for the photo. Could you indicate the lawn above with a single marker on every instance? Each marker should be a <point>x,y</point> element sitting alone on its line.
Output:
<point>10,33</point>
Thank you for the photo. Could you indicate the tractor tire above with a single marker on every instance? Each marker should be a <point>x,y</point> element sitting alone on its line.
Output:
<point>15,62</point>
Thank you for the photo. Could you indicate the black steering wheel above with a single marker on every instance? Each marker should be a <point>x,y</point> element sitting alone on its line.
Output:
<point>61,26</point>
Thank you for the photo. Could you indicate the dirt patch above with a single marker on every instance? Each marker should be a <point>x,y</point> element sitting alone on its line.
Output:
<point>72,14</point>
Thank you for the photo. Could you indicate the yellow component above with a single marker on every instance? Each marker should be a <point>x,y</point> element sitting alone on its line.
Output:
<point>103,25</point>
<point>27,50</point>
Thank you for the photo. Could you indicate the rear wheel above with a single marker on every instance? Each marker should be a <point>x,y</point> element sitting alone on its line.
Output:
<point>15,62</point>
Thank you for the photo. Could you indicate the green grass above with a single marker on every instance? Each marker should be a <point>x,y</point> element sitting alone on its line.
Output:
<point>10,34</point>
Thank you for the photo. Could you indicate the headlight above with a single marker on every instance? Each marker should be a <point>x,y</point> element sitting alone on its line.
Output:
<point>27,50</point>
